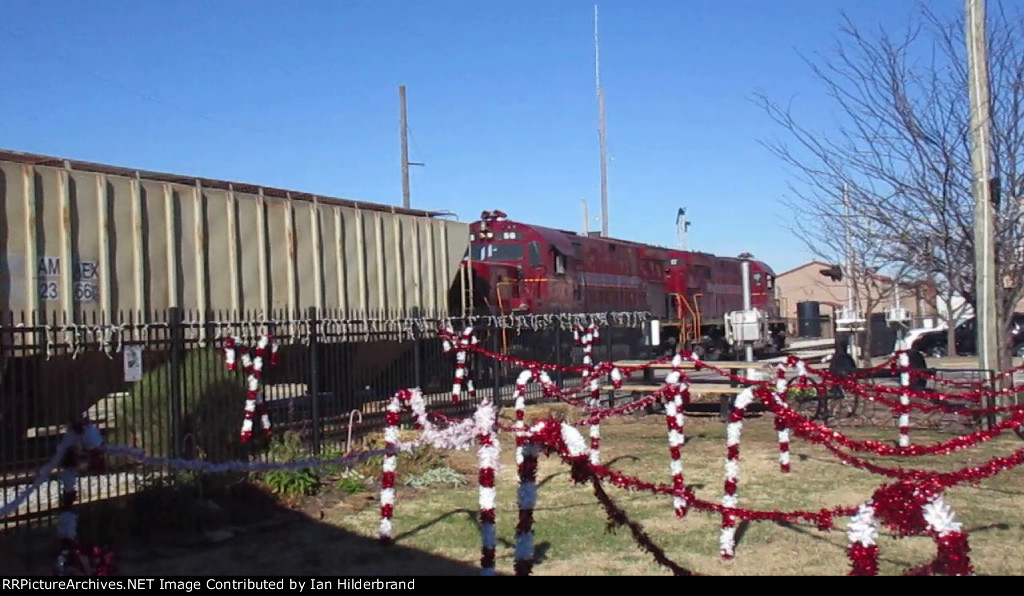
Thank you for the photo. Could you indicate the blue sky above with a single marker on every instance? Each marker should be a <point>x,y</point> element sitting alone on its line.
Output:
<point>501,101</point>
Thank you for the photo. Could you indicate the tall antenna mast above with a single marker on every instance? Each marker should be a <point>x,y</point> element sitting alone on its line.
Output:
<point>586,219</point>
<point>600,129</point>
<point>403,124</point>
<point>597,55</point>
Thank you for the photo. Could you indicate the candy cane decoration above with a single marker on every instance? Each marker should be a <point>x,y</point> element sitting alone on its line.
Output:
<point>487,457</point>
<point>951,558</point>
<point>81,439</point>
<point>253,366</point>
<point>459,436</point>
<point>389,468</point>
<point>781,390</point>
<point>904,409</point>
<point>231,353</point>
<point>732,471</point>
<point>678,390</point>
<point>461,345</point>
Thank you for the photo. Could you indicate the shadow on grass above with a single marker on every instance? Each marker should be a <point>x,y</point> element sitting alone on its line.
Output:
<point>817,535</point>
<point>237,530</point>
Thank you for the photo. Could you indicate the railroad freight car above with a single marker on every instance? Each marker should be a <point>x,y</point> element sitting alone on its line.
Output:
<point>84,243</point>
<point>82,238</point>
<point>525,268</point>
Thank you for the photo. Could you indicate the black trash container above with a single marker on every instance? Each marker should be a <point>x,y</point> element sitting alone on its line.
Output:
<point>808,317</point>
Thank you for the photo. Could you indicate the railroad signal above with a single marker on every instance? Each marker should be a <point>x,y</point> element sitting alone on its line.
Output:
<point>835,273</point>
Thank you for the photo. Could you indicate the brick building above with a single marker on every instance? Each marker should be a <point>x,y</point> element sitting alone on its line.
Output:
<point>806,284</point>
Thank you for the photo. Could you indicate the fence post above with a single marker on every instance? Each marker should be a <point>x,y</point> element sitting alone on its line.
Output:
<point>609,337</point>
<point>991,401</point>
<point>558,353</point>
<point>417,349</point>
<point>313,387</point>
<point>176,326</point>
<point>496,348</point>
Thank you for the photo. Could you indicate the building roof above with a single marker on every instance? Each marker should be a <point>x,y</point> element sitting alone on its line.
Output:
<point>804,266</point>
<point>877,277</point>
<point>85,166</point>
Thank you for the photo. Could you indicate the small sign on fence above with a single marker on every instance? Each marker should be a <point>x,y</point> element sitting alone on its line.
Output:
<point>132,364</point>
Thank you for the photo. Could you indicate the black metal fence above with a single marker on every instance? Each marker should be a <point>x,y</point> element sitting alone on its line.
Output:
<point>162,385</point>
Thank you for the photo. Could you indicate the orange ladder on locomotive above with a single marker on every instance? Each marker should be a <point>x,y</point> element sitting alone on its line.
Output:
<point>685,326</point>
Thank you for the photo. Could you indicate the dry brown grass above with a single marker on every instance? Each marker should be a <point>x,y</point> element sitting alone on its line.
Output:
<point>437,531</point>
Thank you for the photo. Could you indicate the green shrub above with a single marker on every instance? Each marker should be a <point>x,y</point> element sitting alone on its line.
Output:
<point>352,482</point>
<point>212,398</point>
<point>802,393</point>
<point>290,484</point>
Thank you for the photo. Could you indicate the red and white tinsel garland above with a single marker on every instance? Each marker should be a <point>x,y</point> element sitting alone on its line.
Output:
<point>76,559</point>
<point>677,394</point>
<point>253,366</point>
<point>727,543</point>
<point>461,344</point>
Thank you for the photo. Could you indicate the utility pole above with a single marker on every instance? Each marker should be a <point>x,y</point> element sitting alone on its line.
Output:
<point>403,123</point>
<point>984,255</point>
<point>600,131</point>
<point>849,248</point>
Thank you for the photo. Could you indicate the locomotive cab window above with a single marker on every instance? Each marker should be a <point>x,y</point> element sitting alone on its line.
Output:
<point>535,260</point>
<point>758,278</point>
<point>771,282</point>
<point>498,252</point>
<point>559,263</point>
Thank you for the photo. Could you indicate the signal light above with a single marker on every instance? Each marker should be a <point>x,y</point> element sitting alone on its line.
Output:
<point>835,273</point>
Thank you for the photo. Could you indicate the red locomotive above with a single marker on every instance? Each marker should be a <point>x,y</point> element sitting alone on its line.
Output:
<point>524,268</point>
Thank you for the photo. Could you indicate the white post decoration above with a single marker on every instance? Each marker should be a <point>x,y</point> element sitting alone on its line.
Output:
<point>526,463</point>
<point>904,411</point>
<point>677,392</point>
<point>389,468</point>
<point>732,471</point>
<point>487,457</point>
<point>780,396</point>
<point>587,339</point>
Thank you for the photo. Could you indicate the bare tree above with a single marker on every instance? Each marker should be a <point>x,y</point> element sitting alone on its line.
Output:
<point>903,147</point>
